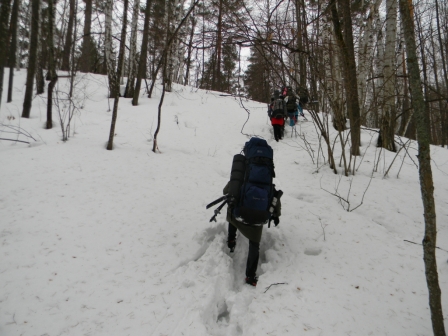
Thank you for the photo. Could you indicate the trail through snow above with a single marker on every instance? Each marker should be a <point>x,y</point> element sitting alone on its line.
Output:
<point>97,242</point>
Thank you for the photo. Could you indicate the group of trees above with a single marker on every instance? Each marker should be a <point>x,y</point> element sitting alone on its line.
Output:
<point>85,36</point>
<point>381,64</point>
<point>348,56</point>
<point>351,58</point>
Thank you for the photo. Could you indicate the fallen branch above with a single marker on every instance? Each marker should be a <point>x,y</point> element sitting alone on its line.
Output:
<point>321,224</point>
<point>274,284</point>
<point>340,197</point>
<point>364,194</point>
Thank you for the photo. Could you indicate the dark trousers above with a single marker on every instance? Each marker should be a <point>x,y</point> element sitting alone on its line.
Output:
<point>253,255</point>
<point>278,132</point>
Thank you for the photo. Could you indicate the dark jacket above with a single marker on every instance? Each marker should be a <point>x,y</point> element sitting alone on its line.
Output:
<point>252,233</point>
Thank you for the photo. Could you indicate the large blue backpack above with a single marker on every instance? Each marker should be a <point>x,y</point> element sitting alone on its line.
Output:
<point>256,192</point>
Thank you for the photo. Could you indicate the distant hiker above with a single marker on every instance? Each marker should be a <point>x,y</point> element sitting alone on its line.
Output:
<point>292,108</point>
<point>291,105</point>
<point>252,199</point>
<point>304,96</point>
<point>277,115</point>
<point>303,100</point>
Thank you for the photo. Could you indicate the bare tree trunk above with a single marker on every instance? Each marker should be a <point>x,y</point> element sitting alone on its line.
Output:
<point>52,75</point>
<point>217,73</point>
<point>12,48</point>
<point>129,92</point>
<point>377,68</point>
<point>155,146</point>
<point>387,123</point>
<point>118,76</point>
<point>425,172</point>
<point>365,57</point>
<point>300,9</point>
<point>40,80</point>
<point>108,51</point>
<point>85,65</point>
<point>170,7</point>
<point>4,19</point>
<point>406,118</point>
<point>443,112</point>
<point>143,54</point>
<point>69,38</point>
<point>189,50</point>
<point>32,58</point>
<point>345,42</point>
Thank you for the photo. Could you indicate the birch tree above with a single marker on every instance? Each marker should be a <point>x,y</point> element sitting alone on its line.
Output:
<point>365,55</point>
<point>108,48</point>
<point>388,115</point>
<point>132,67</point>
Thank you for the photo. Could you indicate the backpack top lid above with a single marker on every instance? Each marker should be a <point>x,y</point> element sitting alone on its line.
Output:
<point>258,147</point>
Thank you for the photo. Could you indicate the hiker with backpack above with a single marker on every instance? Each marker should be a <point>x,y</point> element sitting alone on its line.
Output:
<point>277,115</point>
<point>303,93</point>
<point>292,105</point>
<point>252,200</point>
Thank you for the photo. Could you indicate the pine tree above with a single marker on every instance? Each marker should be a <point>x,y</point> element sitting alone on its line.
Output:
<point>256,77</point>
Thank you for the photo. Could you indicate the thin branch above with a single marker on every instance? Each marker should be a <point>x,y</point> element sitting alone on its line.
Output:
<point>15,140</point>
<point>275,284</point>
<point>396,155</point>
<point>408,241</point>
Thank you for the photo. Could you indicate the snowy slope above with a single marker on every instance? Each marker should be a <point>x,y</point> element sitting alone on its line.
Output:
<point>97,242</point>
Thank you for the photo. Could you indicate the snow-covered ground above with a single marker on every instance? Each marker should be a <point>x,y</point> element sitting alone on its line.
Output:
<point>98,242</point>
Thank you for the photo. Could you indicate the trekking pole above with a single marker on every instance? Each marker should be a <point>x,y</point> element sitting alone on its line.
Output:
<point>216,201</point>
<point>218,210</point>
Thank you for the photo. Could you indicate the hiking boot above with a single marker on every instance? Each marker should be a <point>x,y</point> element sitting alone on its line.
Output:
<point>231,245</point>
<point>252,281</point>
